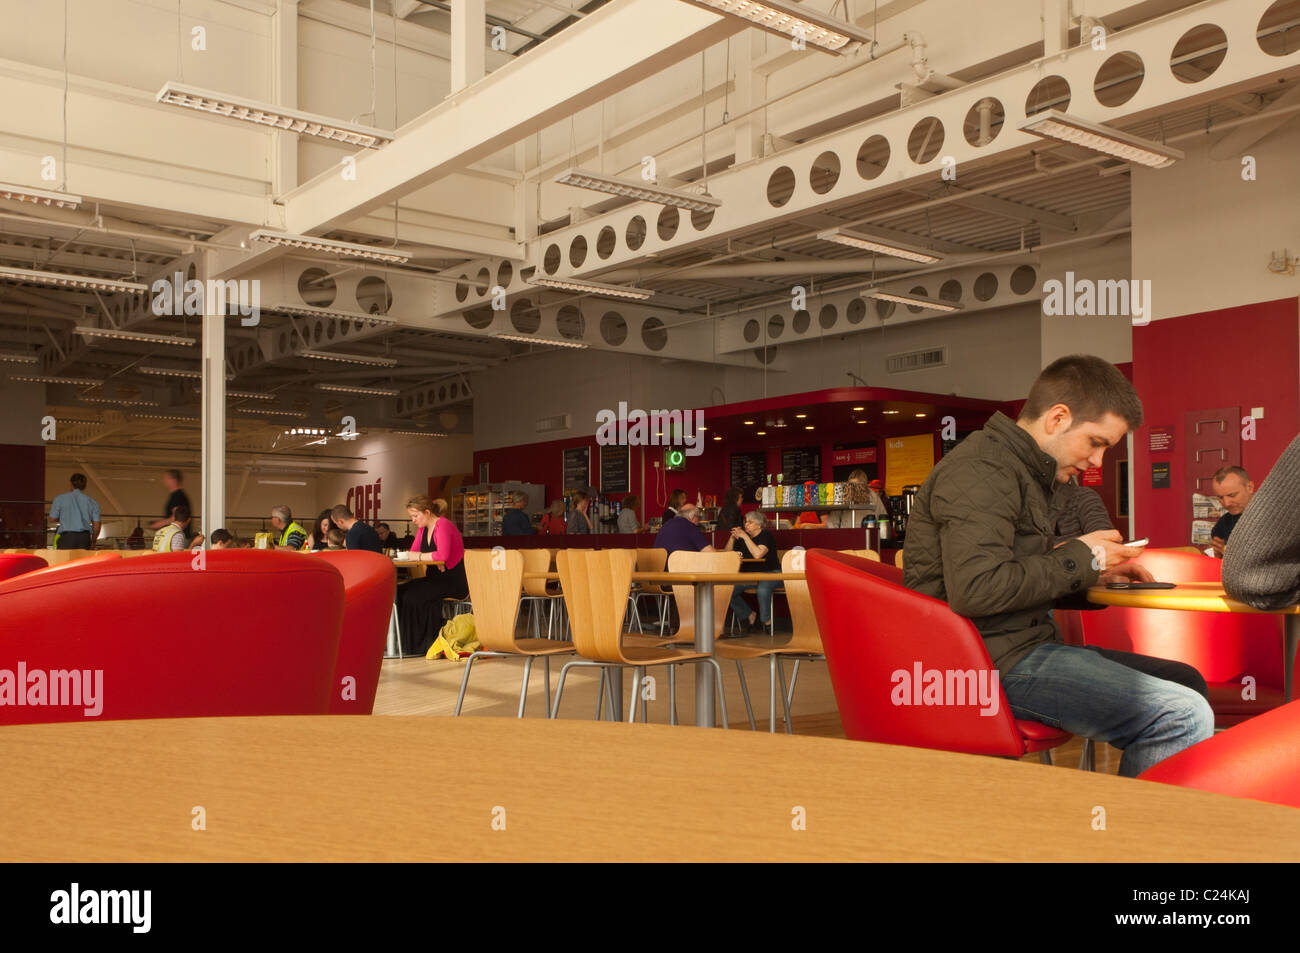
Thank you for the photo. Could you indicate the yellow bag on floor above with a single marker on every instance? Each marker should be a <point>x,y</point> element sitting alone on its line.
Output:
<point>456,636</point>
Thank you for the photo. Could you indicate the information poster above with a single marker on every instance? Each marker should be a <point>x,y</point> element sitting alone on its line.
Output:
<point>615,469</point>
<point>908,461</point>
<point>1160,475</point>
<point>577,469</point>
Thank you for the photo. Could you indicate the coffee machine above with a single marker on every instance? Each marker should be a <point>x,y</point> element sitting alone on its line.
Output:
<point>900,508</point>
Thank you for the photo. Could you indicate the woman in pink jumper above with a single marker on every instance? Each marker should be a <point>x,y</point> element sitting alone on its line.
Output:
<point>420,601</point>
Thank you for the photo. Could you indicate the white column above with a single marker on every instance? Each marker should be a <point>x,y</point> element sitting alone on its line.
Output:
<point>213,399</point>
<point>1056,27</point>
<point>751,89</point>
<point>284,92</point>
<point>468,28</point>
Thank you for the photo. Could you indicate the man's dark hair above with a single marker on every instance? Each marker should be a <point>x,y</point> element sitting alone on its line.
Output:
<point>1089,386</point>
<point>78,481</point>
<point>181,513</point>
<point>340,512</point>
<point>221,536</point>
<point>174,474</point>
<point>383,526</point>
<point>1224,472</point>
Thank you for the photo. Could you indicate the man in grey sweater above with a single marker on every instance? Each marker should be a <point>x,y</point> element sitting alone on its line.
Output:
<point>1262,566</point>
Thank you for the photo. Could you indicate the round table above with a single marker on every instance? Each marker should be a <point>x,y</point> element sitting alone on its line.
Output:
<point>423,788</point>
<point>1205,597</point>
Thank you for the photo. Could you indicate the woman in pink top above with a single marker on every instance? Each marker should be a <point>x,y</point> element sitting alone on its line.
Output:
<point>420,601</point>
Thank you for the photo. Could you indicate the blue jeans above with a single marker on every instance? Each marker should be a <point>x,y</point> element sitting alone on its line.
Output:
<point>1090,695</point>
<point>741,607</point>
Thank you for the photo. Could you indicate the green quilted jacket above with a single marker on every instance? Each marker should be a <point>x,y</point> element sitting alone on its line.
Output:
<point>980,538</point>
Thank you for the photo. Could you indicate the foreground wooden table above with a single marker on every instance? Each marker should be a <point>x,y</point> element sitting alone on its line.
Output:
<point>426,788</point>
<point>1205,597</point>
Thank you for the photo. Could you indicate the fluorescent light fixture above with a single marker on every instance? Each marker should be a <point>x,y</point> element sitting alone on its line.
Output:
<point>243,394</point>
<point>141,337</point>
<point>866,243</point>
<point>264,412</point>
<point>170,372</point>
<point>634,189</point>
<point>329,246</point>
<point>307,311</point>
<point>305,432</point>
<point>21,193</point>
<point>890,411</point>
<point>282,482</point>
<point>121,401</point>
<point>1054,124</point>
<point>911,300</point>
<point>9,357</point>
<point>364,391</point>
<point>818,30</point>
<point>278,117</point>
<point>54,279</point>
<point>529,339</point>
<point>192,420</point>
<point>349,358</point>
<point>416,433</point>
<point>591,287</point>
<point>48,379</point>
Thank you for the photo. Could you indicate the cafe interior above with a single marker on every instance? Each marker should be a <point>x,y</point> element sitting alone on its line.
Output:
<point>551,385</point>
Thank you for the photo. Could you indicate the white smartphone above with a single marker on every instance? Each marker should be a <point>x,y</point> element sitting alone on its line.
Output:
<point>1137,543</point>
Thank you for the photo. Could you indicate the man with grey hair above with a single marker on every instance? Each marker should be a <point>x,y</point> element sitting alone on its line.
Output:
<point>683,532</point>
<point>757,548</point>
<point>1233,488</point>
<point>292,536</point>
<point>515,522</point>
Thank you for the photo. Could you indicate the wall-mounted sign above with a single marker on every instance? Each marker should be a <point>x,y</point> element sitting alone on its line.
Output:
<point>1090,477</point>
<point>577,469</point>
<point>908,461</point>
<point>844,458</point>
<point>616,469</point>
<point>1162,439</point>
<point>363,501</point>
<point>1160,475</point>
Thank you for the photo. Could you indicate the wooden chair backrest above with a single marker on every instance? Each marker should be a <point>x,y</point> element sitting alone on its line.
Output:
<point>596,584</point>
<point>806,636</point>
<point>57,556</point>
<point>494,587</point>
<point>536,560</point>
<point>652,560</point>
<point>864,553</point>
<point>686,561</point>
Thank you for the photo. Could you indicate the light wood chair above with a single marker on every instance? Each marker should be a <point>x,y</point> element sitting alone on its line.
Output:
<point>651,560</point>
<point>804,644</point>
<point>495,580</point>
<point>686,561</point>
<point>596,584</point>
<point>536,595</point>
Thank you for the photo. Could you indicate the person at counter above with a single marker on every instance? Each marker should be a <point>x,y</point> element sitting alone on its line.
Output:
<point>729,517</point>
<point>319,539</point>
<point>755,542</point>
<point>419,601</point>
<point>864,499</point>
<point>627,520</point>
<point>357,535</point>
<point>553,520</point>
<point>77,515</point>
<point>515,521</point>
<point>683,532</point>
<point>676,500</point>
<point>579,523</point>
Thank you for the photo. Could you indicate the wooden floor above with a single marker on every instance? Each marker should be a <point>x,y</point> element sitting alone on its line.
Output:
<point>416,686</point>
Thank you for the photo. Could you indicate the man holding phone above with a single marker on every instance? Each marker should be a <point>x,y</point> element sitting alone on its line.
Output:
<point>981,538</point>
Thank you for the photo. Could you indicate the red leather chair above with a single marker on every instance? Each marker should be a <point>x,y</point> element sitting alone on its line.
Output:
<point>1222,646</point>
<point>872,627</point>
<point>252,633</point>
<point>1259,759</point>
<point>369,585</point>
<point>15,564</point>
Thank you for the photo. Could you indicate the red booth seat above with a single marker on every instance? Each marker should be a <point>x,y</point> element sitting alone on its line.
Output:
<point>872,628</point>
<point>1259,759</point>
<point>15,564</point>
<point>249,633</point>
<point>369,586</point>
<point>1224,647</point>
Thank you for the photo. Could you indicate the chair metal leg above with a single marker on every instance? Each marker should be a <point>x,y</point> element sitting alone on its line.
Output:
<point>672,694</point>
<point>636,693</point>
<point>722,697</point>
<point>600,696</point>
<point>744,691</point>
<point>395,630</point>
<point>785,699</point>
<point>663,614</point>
<point>794,677</point>
<point>1045,756</point>
<point>771,693</point>
<point>523,687</point>
<point>1088,760</point>
<point>464,680</point>
<point>547,660</point>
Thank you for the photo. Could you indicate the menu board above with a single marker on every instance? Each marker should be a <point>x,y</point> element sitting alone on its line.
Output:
<point>616,469</point>
<point>748,473</point>
<point>801,464</point>
<point>908,461</point>
<point>577,468</point>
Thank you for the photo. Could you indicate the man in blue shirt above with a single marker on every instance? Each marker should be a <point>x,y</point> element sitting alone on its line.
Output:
<point>359,535</point>
<point>77,515</point>
<point>515,521</point>
<point>1233,488</point>
<point>683,532</point>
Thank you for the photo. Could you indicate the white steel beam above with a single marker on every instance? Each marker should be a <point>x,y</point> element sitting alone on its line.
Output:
<point>468,25</point>
<point>213,400</point>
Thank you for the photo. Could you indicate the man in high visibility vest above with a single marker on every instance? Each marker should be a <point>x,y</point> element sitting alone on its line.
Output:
<point>292,536</point>
<point>171,538</point>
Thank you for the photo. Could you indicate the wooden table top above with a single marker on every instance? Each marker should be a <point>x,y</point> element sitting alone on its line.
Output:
<point>418,562</point>
<point>684,578</point>
<point>1196,596</point>
<point>426,788</point>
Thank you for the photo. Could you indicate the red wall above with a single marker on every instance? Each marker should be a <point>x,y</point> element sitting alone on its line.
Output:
<point>22,481</point>
<point>1247,357</point>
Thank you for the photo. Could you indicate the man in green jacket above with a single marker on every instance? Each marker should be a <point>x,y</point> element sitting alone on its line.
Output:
<point>981,538</point>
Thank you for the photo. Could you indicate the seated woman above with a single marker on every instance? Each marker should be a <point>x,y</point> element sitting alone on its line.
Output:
<point>319,538</point>
<point>419,602</point>
<point>755,541</point>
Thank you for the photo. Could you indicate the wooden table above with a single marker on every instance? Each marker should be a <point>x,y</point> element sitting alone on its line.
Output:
<point>1205,597</point>
<point>418,568</point>
<point>703,582</point>
<point>339,788</point>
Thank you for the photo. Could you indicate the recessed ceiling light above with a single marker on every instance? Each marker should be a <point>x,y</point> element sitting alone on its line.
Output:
<point>889,411</point>
<point>809,427</point>
<point>920,415</point>
<point>762,433</point>
<point>801,416</point>
<point>861,421</point>
<point>717,438</point>
<point>859,409</point>
<point>749,423</point>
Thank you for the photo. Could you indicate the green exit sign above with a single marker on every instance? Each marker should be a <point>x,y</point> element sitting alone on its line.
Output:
<point>674,459</point>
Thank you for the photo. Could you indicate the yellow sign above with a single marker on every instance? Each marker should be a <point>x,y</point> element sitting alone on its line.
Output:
<point>908,460</point>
